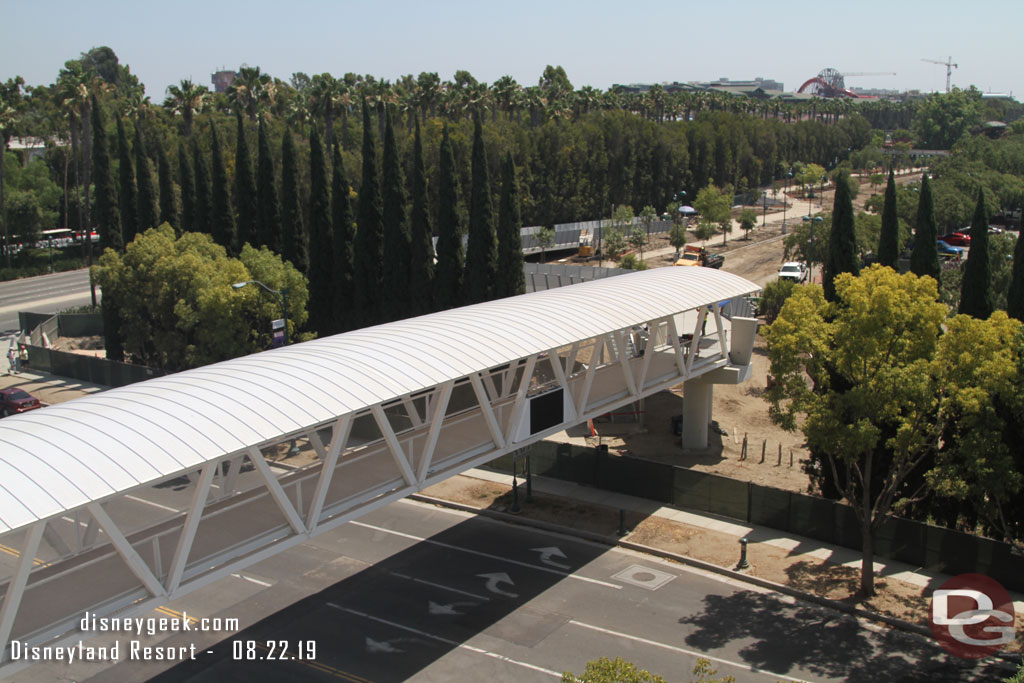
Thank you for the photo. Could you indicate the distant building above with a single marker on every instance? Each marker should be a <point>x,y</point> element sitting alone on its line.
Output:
<point>223,79</point>
<point>762,83</point>
<point>33,148</point>
<point>759,87</point>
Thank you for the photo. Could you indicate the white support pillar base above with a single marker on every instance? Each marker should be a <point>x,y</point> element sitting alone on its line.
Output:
<point>696,413</point>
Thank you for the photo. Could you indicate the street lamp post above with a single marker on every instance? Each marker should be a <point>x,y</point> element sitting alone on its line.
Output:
<point>785,203</point>
<point>282,293</point>
<point>764,209</point>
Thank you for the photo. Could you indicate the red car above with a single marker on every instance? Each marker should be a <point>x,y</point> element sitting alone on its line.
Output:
<point>957,239</point>
<point>15,400</point>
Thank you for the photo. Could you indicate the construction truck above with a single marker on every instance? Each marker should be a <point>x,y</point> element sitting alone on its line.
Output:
<point>699,256</point>
<point>586,246</point>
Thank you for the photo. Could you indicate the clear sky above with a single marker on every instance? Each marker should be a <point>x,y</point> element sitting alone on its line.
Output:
<point>598,42</point>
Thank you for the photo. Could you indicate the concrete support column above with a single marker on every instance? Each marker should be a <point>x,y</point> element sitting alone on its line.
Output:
<point>743,332</point>
<point>696,413</point>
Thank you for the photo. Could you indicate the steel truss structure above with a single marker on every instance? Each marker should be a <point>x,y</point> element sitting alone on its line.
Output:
<point>130,548</point>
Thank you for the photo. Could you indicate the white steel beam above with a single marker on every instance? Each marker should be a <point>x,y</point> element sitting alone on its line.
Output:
<point>588,379</point>
<point>492,390</point>
<point>135,563</point>
<point>677,348</point>
<point>341,431</point>
<point>393,445</point>
<point>717,308</point>
<point>627,372</point>
<point>436,420</point>
<point>16,588</point>
<point>276,492</point>
<point>652,331</point>
<point>410,410</point>
<point>518,405</point>
<point>487,410</point>
<point>695,340</point>
<point>188,530</point>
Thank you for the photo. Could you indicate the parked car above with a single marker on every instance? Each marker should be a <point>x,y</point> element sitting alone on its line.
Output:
<point>14,400</point>
<point>793,270</point>
<point>949,250</point>
<point>957,239</point>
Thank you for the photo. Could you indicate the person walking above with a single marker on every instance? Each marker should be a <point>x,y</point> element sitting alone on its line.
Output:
<point>12,358</point>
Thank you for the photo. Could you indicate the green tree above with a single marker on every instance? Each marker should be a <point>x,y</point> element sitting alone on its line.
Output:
<point>186,99</point>
<point>943,119</point>
<point>294,241</point>
<point>421,263</point>
<point>889,242</point>
<point>808,175</point>
<point>614,243</point>
<point>510,280</point>
<point>108,214</point>
<point>176,303</point>
<point>877,384</point>
<point>369,252</point>
<point>448,276</point>
<point>482,247</point>
<point>545,237</point>
<point>344,236</point>
<point>924,259</point>
<point>222,223</point>
<point>714,207</point>
<point>637,239</point>
<point>321,252</point>
<point>632,262</point>
<point>148,214</point>
<point>397,249</point>
<point>204,199</point>
<point>127,192</point>
<point>187,183</point>
<point>168,203</point>
<point>748,221</point>
<point>245,187</point>
<point>976,289</point>
<point>268,217</point>
<point>677,236</point>
<point>842,244</point>
<point>774,297</point>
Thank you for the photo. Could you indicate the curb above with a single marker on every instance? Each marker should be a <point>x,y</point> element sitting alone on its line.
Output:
<point>806,596</point>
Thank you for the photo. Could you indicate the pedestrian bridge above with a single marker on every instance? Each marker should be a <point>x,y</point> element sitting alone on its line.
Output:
<point>118,502</point>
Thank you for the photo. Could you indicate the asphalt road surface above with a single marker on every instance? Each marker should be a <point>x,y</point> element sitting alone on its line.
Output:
<point>42,294</point>
<point>413,592</point>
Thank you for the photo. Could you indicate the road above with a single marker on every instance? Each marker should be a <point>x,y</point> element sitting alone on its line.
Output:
<point>414,592</point>
<point>42,294</point>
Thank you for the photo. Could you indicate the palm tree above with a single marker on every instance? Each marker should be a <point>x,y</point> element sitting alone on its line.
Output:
<point>186,99</point>
<point>251,90</point>
<point>428,93</point>
<point>7,119</point>
<point>324,92</point>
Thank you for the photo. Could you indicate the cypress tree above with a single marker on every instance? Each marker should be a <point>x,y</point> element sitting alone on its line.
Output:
<point>1015,296</point>
<point>344,241</point>
<point>976,288</point>
<point>924,259</point>
<point>149,216</point>
<point>188,190</point>
<point>321,252</point>
<point>421,260</point>
<point>168,206</point>
<point>126,194</point>
<point>482,247</point>
<point>889,240</point>
<point>112,340</point>
<point>222,222</point>
<point>448,276</point>
<point>369,251</point>
<point>510,280</point>
<point>245,188</point>
<point>204,202</point>
<point>397,250</point>
<point>108,216</point>
<point>268,218</point>
<point>295,243</point>
<point>842,243</point>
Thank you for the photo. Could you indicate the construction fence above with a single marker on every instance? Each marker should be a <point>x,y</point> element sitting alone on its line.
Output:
<point>923,545</point>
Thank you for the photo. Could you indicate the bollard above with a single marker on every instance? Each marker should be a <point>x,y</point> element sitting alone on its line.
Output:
<point>764,449</point>
<point>743,555</point>
<point>780,456</point>
<point>622,522</point>
<point>515,496</point>
<point>743,453</point>
<point>790,457</point>
<point>529,482</point>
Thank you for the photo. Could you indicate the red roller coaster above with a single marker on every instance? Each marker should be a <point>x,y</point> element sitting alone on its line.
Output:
<point>828,83</point>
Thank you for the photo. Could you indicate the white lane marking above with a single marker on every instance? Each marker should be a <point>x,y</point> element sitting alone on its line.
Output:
<point>682,650</point>
<point>497,578</point>
<point>252,580</point>
<point>441,586</point>
<point>446,641</point>
<point>149,502</point>
<point>487,555</point>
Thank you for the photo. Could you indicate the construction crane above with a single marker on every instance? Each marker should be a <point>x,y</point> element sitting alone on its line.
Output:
<point>949,67</point>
